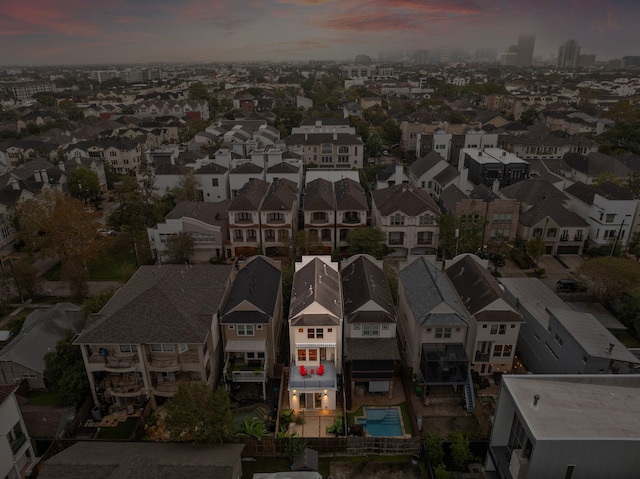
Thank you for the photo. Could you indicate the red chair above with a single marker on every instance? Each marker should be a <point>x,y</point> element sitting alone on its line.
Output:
<point>303,371</point>
<point>320,370</point>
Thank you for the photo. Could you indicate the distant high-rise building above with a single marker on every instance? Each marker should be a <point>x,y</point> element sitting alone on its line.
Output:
<point>524,51</point>
<point>568,55</point>
<point>508,59</point>
<point>444,55</point>
<point>421,57</point>
<point>631,61</point>
<point>586,60</point>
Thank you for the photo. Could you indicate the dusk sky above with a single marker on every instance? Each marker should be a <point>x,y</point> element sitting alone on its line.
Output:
<point>46,32</point>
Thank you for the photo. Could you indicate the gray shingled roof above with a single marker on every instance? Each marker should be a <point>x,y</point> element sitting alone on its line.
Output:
<point>450,197</point>
<point>257,285</point>
<point>209,213</point>
<point>480,292</point>
<point>404,198</point>
<point>533,191</point>
<point>166,304</point>
<point>447,175</point>
<point>587,193</point>
<point>424,164</point>
<point>247,168</point>
<point>282,168</point>
<point>364,283</point>
<point>318,195</point>
<point>350,195</point>
<point>41,330</point>
<point>282,196</point>
<point>316,282</point>
<point>143,460</point>
<point>372,348</point>
<point>426,289</point>
<point>595,164</point>
<point>250,196</point>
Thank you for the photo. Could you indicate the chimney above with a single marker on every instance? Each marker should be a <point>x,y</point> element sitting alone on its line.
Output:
<point>495,186</point>
<point>61,166</point>
<point>14,184</point>
<point>306,136</point>
<point>37,176</point>
<point>335,136</point>
<point>399,173</point>
<point>45,176</point>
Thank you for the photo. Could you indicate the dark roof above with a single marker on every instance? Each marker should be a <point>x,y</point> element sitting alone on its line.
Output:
<point>282,196</point>
<point>318,195</point>
<point>595,164</point>
<point>250,196</point>
<point>316,282</point>
<point>533,191</point>
<point>372,348</point>
<point>608,190</point>
<point>254,294</point>
<point>6,390</point>
<point>426,289</point>
<point>168,169</point>
<point>283,167</point>
<point>209,213</point>
<point>424,164</point>
<point>404,198</point>
<point>211,169</point>
<point>447,175</point>
<point>160,304</point>
<point>350,195</point>
<point>450,196</point>
<point>247,167</point>
<point>480,292</point>
<point>143,460</point>
<point>365,292</point>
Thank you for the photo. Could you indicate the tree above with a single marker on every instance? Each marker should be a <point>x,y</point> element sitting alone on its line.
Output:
<point>609,278</point>
<point>198,414</point>
<point>630,312</point>
<point>188,188</point>
<point>76,276</point>
<point>534,248</point>
<point>304,243</point>
<point>96,302</point>
<point>440,472</point>
<point>179,248</point>
<point>55,224</point>
<point>367,240</point>
<point>460,452</point>
<point>634,246</point>
<point>198,91</point>
<point>27,278</point>
<point>434,447</point>
<point>84,184</point>
<point>529,117</point>
<point>392,280</point>
<point>461,234</point>
<point>64,371</point>
<point>253,428</point>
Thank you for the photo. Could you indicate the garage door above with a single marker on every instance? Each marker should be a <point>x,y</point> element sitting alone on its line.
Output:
<point>568,249</point>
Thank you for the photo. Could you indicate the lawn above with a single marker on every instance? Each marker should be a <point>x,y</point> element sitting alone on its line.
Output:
<point>626,338</point>
<point>124,430</point>
<point>116,264</point>
<point>44,398</point>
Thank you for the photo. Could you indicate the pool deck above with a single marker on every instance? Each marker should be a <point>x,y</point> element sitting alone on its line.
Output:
<point>315,423</point>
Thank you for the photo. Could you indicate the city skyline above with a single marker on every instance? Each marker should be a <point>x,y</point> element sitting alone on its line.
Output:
<point>49,32</point>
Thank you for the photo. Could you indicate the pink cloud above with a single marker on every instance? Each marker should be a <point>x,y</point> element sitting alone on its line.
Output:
<point>46,16</point>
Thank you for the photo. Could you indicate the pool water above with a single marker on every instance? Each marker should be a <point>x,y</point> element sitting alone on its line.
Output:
<point>382,421</point>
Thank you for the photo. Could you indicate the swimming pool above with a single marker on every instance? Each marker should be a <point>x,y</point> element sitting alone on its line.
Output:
<point>381,421</point>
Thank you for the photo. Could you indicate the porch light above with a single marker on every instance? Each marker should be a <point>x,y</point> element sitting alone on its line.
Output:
<point>294,393</point>
<point>325,393</point>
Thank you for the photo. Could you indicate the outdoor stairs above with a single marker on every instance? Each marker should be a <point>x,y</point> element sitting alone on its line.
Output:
<point>469,393</point>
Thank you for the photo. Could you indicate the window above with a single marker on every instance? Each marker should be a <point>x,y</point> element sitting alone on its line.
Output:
<point>182,348</point>
<point>371,330</point>
<point>128,348</point>
<point>259,327</point>
<point>500,233</point>
<point>302,354</point>
<point>610,218</point>
<point>243,216</point>
<point>231,327</point>
<point>356,327</point>
<point>325,234</point>
<point>238,235</point>
<point>443,333</point>
<point>425,220</point>
<point>311,333</point>
<point>313,355</point>
<point>502,217</point>
<point>214,181</point>
<point>396,220</point>
<point>396,238</point>
<point>329,330</point>
<point>326,159</point>
<point>162,348</point>
<point>564,235</point>
<point>300,330</point>
<point>497,350</point>
<point>343,149</point>
<point>498,329</point>
<point>245,330</point>
<point>269,235</point>
<point>252,235</point>
<point>343,159</point>
<point>319,216</point>
<point>578,236</point>
<point>425,237</point>
<point>552,232</point>
<point>275,217</point>
<point>506,351</point>
<point>319,333</point>
<point>326,148</point>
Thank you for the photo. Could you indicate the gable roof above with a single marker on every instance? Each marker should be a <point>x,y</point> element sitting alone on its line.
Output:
<point>250,196</point>
<point>480,292</point>
<point>424,164</point>
<point>404,198</point>
<point>283,167</point>
<point>209,213</point>
<point>247,168</point>
<point>350,195</point>
<point>318,195</point>
<point>365,284</point>
<point>447,175</point>
<point>608,190</point>
<point>282,196</point>
<point>595,164</point>
<point>41,331</point>
<point>167,304</point>
<point>318,284</point>
<point>430,296</point>
<point>258,284</point>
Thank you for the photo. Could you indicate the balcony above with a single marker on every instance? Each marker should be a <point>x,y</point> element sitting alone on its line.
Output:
<point>165,362</point>
<point>312,380</point>
<point>275,221</point>
<point>351,220</point>
<point>167,387</point>
<point>253,371</point>
<point>481,357</point>
<point>113,363</point>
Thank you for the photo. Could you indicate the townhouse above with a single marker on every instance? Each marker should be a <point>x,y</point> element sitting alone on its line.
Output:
<point>16,451</point>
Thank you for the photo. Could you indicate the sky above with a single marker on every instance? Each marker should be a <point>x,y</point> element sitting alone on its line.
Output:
<point>52,32</point>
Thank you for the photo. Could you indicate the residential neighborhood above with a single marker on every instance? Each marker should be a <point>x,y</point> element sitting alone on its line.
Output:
<point>305,268</point>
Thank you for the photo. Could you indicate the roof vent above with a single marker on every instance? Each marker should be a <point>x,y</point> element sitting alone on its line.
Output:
<point>536,398</point>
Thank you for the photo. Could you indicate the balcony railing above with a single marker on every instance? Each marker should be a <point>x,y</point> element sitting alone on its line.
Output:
<point>396,242</point>
<point>351,221</point>
<point>482,357</point>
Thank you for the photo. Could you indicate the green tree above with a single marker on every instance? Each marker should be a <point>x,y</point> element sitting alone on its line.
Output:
<point>252,428</point>
<point>630,312</point>
<point>304,243</point>
<point>529,117</point>
<point>198,91</point>
<point>610,278</point>
<point>534,248</point>
<point>440,472</point>
<point>180,248</point>
<point>64,371</point>
<point>198,414</point>
<point>96,302</point>
<point>460,452</point>
<point>367,240</point>
<point>434,448</point>
<point>84,184</point>
<point>27,278</point>
<point>188,188</point>
<point>634,246</point>
<point>76,275</point>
